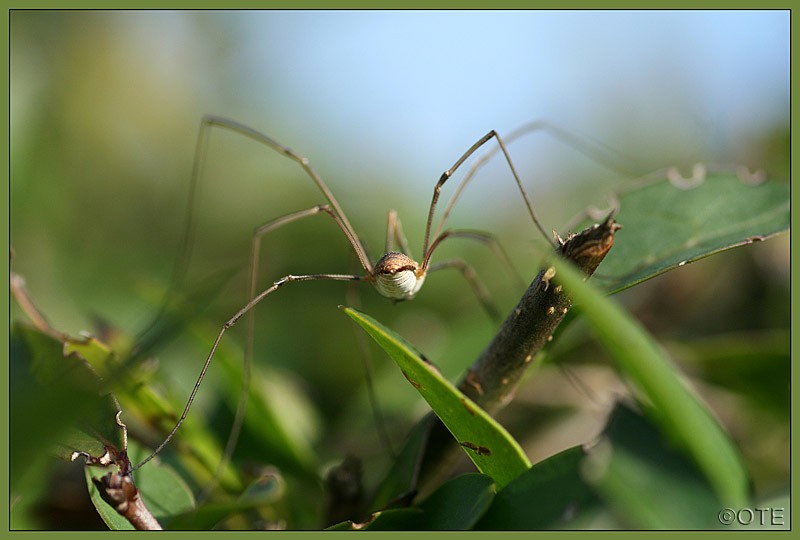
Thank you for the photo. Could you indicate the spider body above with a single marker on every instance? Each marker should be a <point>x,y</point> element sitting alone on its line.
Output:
<point>395,276</point>
<point>398,276</point>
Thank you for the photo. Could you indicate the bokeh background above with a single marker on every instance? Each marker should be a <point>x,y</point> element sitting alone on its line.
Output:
<point>105,108</point>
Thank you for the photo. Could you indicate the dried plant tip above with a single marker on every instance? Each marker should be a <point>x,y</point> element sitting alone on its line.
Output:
<point>119,491</point>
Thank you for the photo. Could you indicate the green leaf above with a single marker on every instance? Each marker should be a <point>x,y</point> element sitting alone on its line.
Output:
<point>455,506</point>
<point>486,442</point>
<point>396,519</point>
<point>51,397</point>
<point>665,226</point>
<point>755,365</point>
<point>546,496</point>
<point>279,416</point>
<point>657,384</point>
<point>648,484</point>
<point>111,517</point>
<point>98,355</point>
<point>400,481</point>
<point>458,503</point>
<point>263,492</point>
<point>280,423</point>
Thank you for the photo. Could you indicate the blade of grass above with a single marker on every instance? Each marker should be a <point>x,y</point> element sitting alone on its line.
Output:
<point>645,480</point>
<point>675,408</point>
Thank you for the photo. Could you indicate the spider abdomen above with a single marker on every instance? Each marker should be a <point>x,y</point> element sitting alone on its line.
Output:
<point>397,276</point>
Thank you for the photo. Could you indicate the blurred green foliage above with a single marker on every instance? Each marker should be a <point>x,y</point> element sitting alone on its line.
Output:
<point>101,153</point>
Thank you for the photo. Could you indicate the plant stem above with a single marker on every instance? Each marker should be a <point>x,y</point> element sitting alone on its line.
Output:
<point>492,380</point>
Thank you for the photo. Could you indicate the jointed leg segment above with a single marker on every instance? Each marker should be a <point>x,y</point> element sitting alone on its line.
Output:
<point>333,209</point>
<point>229,324</point>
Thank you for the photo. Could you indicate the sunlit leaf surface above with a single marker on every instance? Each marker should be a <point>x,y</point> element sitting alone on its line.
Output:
<point>486,442</point>
<point>669,221</point>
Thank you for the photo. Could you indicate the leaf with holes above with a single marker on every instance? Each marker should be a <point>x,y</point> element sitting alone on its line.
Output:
<point>668,222</point>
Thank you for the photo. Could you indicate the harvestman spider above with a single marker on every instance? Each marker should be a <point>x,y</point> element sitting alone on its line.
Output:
<point>395,275</point>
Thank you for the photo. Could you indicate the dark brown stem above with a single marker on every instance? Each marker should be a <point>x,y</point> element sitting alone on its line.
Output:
<point>492,380</point>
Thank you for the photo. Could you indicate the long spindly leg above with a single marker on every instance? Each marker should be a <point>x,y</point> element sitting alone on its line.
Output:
<point>332,208</point>
<point>394,233</point>
<point>347,228</point>
<point>229,324</point>
<point>472,278</point>
<point>255,251</point>
<point>468,272</point>
<point>206,124</point>
<point>427,251</point>
<point>597,151</point>
<point>354,299</point>
<point>486,238</point>
<point>184,256</point>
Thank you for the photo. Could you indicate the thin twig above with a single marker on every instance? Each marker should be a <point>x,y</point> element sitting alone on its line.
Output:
<point>20,293</point>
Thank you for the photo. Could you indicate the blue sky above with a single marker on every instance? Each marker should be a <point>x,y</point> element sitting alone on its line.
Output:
<point>442,78</point>
<point>408,91</point>
<point>380,102</point>
<point>375,98</point>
